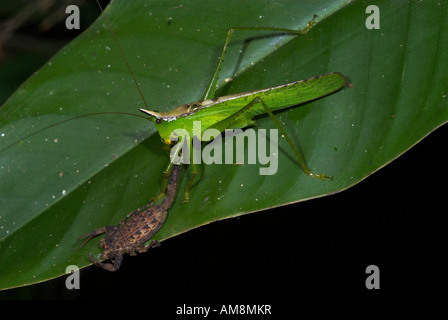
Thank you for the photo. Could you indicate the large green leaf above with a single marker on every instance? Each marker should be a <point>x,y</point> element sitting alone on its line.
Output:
<point>69,179</point>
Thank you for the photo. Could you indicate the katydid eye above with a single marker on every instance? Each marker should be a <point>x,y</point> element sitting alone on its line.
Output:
<point>158,121</point>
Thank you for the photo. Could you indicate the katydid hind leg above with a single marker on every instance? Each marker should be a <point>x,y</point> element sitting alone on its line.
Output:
<point>226,123</point>
<point>211,87</point>
<point>299,158</point>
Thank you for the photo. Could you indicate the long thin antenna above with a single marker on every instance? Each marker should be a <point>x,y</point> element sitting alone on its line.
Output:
<point>67,120</point>
<point>122,54</point>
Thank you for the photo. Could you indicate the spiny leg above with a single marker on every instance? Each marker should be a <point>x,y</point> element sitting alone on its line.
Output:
<point>291,144</point>
<point>211,88</point>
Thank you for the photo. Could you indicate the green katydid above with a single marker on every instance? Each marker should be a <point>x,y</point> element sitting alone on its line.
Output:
<point>238,110</point>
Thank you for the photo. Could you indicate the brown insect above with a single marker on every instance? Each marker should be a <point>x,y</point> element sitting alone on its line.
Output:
<point>133,230</point>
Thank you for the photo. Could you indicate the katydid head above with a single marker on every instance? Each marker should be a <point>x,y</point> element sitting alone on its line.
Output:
<point>155,116</point>
<point>160,121</point>
<point>167,122</point>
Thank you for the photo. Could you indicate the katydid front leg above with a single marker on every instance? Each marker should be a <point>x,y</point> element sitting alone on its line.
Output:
<point>167,172</point>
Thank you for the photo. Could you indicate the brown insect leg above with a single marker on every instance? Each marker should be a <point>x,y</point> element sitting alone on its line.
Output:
<point>153,244</point>
<point>140,248</point>
<point>90,235</point>
<point>108,266</point>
